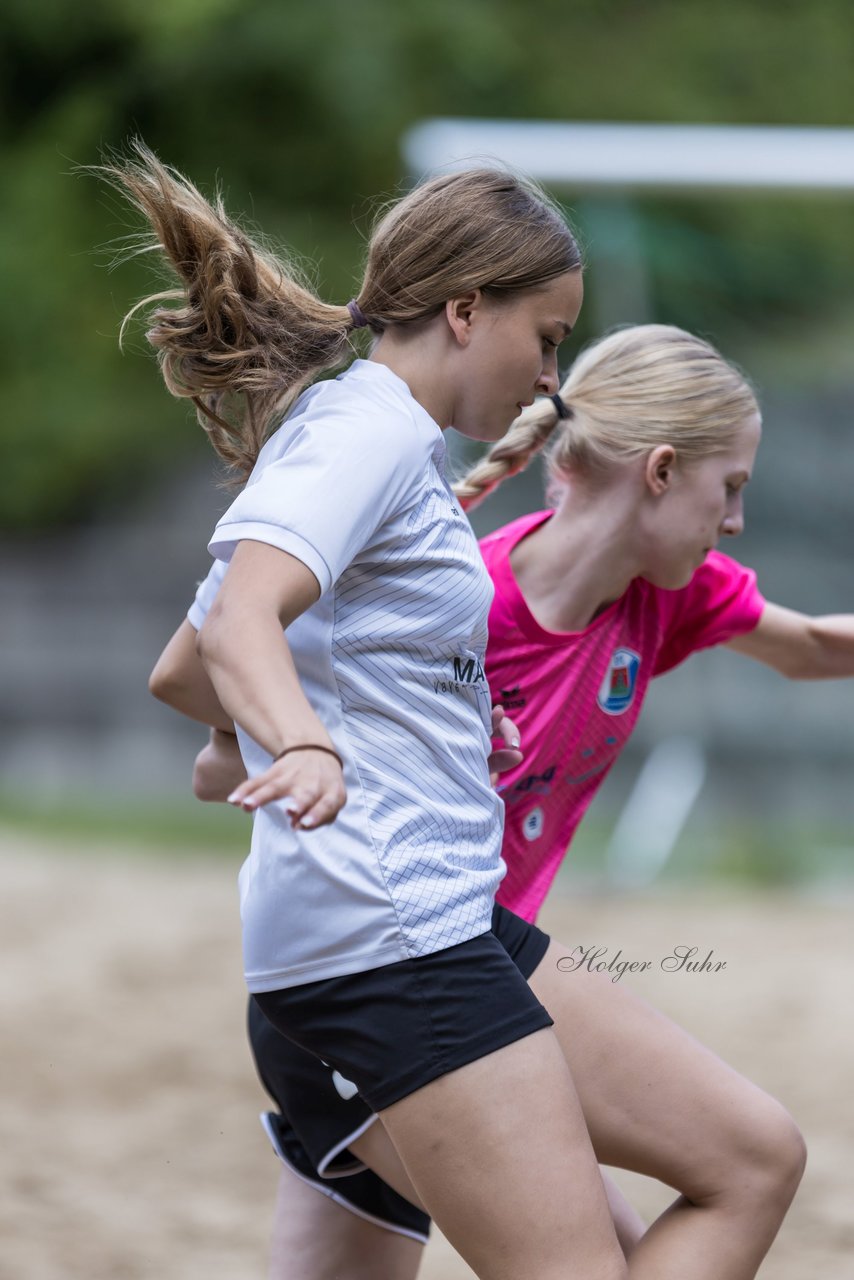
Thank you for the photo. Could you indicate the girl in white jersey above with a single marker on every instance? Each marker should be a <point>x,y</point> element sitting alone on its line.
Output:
<point>346,645</point>
<point>652,441</point>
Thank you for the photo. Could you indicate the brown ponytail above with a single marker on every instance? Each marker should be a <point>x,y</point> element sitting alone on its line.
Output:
<point>248,334</point>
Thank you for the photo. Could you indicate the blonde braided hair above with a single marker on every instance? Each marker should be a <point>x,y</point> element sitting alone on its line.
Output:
<point>527,436</point>
<point>636,388</point>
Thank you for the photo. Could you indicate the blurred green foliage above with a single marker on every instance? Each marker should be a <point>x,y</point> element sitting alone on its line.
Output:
<point>297,109</point>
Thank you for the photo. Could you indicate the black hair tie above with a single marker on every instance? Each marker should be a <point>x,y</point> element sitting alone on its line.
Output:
<point>563,410</point>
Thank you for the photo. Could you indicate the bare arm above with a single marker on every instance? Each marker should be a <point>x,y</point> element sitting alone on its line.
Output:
<point>250,666</point>
<point>180,680</point>
<point>799,646</point>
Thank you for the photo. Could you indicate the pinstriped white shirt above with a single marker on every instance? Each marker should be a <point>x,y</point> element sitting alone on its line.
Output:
<point>391,658</point>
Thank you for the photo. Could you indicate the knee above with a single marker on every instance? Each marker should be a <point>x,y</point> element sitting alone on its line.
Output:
<point>772,1158</point>
<point>754,1165</point>
<point>785,1152</point>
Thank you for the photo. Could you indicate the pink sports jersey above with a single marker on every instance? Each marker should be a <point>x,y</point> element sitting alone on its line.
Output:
<point>576,696</point>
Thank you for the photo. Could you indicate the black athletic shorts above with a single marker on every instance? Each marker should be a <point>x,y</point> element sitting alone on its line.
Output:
<point>321,1111</point>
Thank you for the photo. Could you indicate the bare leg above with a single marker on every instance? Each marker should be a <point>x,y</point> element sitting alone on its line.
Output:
<point>316,1239</point>
<point>480,1146</point>
<point>657,1102</point>
<point>628,1223</point>
<point>375,1148</point>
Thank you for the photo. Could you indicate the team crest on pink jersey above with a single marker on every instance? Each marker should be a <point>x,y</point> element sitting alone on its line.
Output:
<point>618,688</point>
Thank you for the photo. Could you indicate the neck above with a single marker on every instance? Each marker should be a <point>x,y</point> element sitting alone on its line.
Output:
<point>581,560</point>
<point>416,359</point>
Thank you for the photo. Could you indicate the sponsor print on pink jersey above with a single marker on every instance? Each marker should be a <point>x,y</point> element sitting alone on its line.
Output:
<point>576,696</point>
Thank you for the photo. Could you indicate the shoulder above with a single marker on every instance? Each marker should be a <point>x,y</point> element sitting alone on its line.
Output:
<point>720,568</point>
<point>724,585</point>
<point>364,417</point>
<point>371,400</point>
<point>721,601</point>
<point>506,538</point>
<point>718,580</point>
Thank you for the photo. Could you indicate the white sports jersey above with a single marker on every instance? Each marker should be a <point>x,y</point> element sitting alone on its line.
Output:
<point>391,659</point>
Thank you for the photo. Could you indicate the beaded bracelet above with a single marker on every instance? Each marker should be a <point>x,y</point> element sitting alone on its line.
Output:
<point>309,746</point>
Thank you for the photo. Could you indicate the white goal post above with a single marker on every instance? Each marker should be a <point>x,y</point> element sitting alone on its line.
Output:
<point>642,157</point>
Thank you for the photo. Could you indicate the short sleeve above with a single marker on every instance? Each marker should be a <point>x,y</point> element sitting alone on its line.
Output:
<point>207,589</point>
<point>720,602</point>
<point>325,484</point>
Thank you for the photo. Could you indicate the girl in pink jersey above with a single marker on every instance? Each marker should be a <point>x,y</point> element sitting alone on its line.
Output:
<point>650,444</point>
<point>576,631</point>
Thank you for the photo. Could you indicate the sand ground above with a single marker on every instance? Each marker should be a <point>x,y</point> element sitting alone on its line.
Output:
<point>129,1137</point>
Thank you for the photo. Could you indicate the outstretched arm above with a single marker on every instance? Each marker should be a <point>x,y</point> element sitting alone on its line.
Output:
<point>799,646</point>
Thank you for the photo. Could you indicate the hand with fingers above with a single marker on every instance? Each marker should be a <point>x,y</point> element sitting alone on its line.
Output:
<point>218,767</point>
<point>308,778</point>
<point>508,755</point>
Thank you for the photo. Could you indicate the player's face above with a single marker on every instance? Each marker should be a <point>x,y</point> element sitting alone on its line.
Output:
<point>704,504</point>
<point>513,353</point>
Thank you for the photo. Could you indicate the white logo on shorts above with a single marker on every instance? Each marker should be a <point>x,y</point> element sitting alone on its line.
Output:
<point>346,1088</point>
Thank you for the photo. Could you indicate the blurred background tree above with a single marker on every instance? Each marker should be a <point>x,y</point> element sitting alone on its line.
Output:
<point>297,110</point>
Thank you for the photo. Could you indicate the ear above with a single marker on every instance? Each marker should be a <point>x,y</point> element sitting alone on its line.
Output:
<point>460,314</point>
<point>658,472</point>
